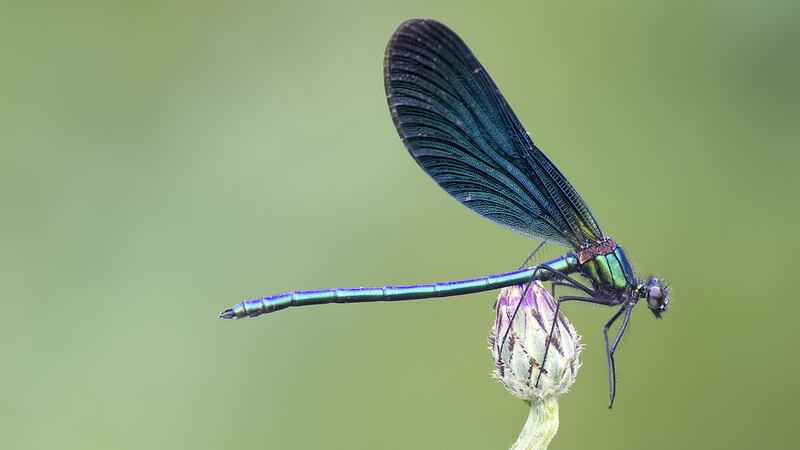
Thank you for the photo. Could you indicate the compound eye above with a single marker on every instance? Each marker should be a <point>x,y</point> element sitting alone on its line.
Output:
<point>655,297</point>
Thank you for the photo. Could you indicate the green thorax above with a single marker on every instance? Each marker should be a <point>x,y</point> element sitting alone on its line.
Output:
<point>609,268</point>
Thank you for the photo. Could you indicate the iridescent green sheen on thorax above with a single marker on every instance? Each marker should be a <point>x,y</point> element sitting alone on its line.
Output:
<point>610,270</point>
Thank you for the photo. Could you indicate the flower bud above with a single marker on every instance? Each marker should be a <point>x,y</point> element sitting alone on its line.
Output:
<point>518,359</point>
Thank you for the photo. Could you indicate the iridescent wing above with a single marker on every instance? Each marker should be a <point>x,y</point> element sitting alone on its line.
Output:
<point>460,130</point>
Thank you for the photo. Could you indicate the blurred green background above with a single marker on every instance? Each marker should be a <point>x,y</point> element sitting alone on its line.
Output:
<point>160,161</point>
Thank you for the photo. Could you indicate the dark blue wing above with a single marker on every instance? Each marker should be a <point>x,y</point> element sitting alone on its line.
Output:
<point>460,130</point>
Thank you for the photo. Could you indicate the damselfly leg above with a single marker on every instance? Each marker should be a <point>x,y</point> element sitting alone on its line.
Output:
<point>565,298</point>
<point>533,253</point>
<point>559,276</point>
<point>612,371</point>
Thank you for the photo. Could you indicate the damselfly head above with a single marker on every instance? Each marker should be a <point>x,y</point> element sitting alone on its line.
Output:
<point>657,296</point>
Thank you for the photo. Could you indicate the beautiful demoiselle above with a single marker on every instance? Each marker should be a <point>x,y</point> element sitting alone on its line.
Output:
<point>460,130</point>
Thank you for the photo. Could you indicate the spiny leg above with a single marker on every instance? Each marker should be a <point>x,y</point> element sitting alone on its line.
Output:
<point>565,280</point>
<point>565,298</point>
<point>559,276</point>
<point>553,284</point>
<point>516,310</point>
<point>533,253</point>
<point>525,263</point>
<point>610,349</point>
<point>622,328</point>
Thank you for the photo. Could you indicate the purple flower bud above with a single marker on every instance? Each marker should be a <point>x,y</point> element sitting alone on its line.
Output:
<point>518,360</point>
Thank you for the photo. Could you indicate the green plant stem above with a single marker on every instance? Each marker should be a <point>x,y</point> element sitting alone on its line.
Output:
<point>541,426</point>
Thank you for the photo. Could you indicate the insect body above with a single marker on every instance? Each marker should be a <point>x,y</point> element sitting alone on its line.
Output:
<point>462,133</point>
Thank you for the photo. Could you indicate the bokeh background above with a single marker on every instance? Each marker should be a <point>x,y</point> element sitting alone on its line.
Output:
<point>160,161</point>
